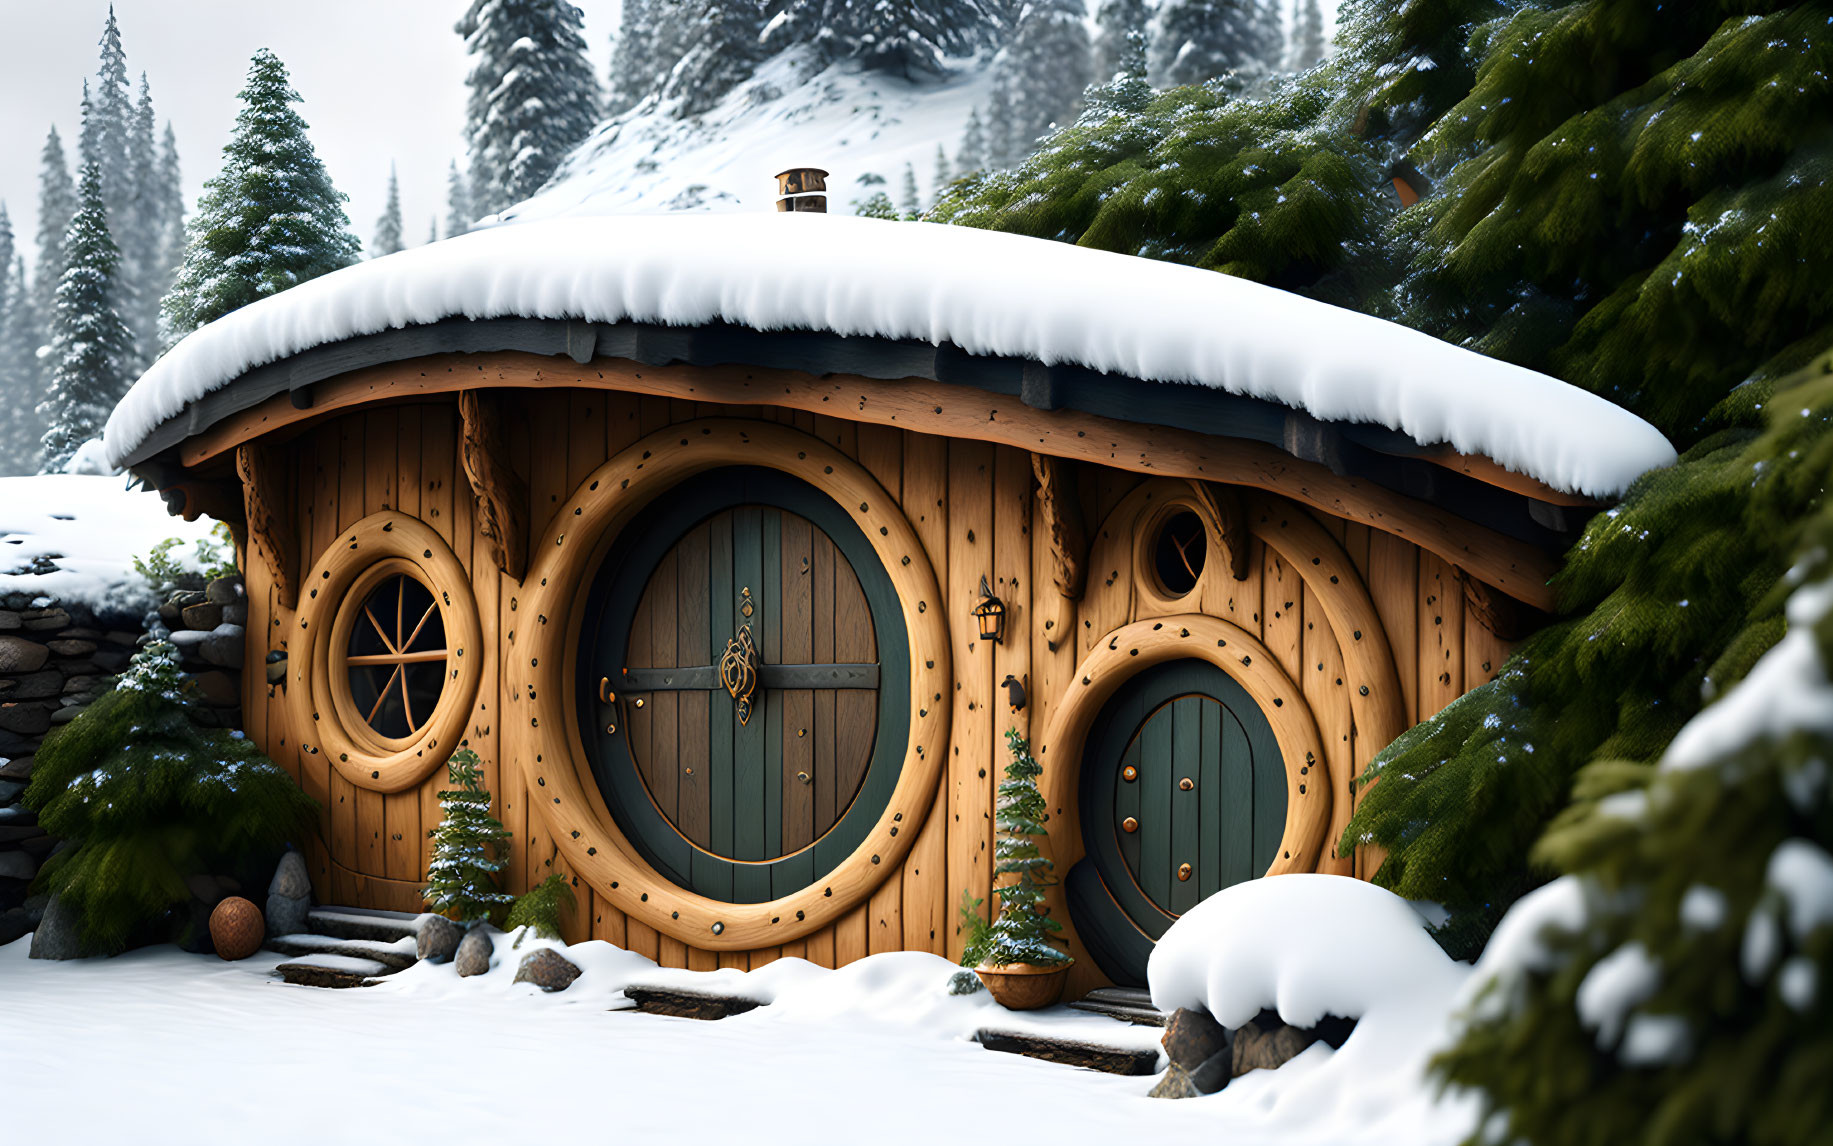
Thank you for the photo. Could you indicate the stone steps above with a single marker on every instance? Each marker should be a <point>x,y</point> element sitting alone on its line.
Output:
<point>1127,1004</point>
<point>363,923</point>
<point>1130,1061</point>
<point>687,1004</point>
<point>334,971</point>
<point>399,955</point>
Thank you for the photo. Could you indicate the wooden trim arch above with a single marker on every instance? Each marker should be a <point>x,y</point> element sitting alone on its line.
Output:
<point>409,545</point>
<point>541,658</point>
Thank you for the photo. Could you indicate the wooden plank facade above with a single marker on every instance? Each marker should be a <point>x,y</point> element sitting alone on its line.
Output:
<point>1297,584</point>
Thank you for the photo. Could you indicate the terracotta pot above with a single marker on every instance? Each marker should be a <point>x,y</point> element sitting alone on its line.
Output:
<point>1024,986</point>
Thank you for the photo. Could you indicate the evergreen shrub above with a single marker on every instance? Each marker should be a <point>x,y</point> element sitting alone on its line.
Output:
<point>462,875</point>
<point>147,797</point>
<point>1022,932</point>
<point>542,907</point>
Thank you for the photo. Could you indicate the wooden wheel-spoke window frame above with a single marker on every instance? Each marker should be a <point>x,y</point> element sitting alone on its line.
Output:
<point>408,640</point>
<point>377,550</point>
<point>1155,594</point>
<point>542,656</point>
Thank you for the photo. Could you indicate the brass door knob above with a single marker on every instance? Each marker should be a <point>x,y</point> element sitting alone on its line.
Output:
<point>1130,824</point>
<point>1129,773</point>
<point>1186,784</point>
<point>1183,872</point>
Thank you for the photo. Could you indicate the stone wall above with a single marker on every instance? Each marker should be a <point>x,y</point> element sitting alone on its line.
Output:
<point>55,660</point>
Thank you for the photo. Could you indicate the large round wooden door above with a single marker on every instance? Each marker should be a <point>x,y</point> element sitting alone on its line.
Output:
<point>1183,793</point>
<point>744,683</point>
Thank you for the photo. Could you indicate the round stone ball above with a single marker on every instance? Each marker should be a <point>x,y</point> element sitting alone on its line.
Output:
<point>236,928</point>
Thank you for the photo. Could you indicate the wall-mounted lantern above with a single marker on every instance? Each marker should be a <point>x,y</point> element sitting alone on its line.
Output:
<point>991,613</point>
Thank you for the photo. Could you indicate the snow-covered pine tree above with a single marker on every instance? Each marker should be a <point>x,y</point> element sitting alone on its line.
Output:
<point>1050,62</point>
<point>1307,36</point>
<point>148,798</point>
<point>171,224</point>
<point>973,154</point>
<point>1003,148</point>
<point>109,123</point>
<point>142,235</point>
<point>942,177</point>
<point>21,377</point>
<point>633,73</point>
<point>458,202</point>
<point>462,875</point>
<point>269,220</point>
<point>1127,93</point>
<point>721,57</point>
<point>432,229</point>
<point>908,37</point>
<point>910,202</point>
<point>1115,20</point>
<point>534,95</point>
<point>1021,933</point>
<point>388,238</point>
<point>90,343</point>
<point>1198,40</point>
<point>56,207</point>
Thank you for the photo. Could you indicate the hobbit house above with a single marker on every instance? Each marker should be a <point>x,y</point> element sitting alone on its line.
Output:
<point>735,544</point>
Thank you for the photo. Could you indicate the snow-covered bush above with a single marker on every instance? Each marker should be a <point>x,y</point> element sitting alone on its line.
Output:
<point>172,565</point>
<point>462,877</point>
<point>1022,932</point>
<point>148,797</point>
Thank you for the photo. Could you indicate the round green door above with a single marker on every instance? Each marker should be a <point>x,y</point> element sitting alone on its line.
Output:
<point>1183,793</point>
<point>743,684</point>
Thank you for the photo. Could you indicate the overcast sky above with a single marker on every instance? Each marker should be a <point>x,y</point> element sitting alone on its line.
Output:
<point>382,81</point>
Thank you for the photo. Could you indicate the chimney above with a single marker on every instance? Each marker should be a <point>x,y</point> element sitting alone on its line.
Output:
<point>803,189</point>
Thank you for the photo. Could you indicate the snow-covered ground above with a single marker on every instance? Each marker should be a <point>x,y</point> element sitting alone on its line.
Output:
<point>846,120</point>
<point>876,1052</point>
<point>86,530</point>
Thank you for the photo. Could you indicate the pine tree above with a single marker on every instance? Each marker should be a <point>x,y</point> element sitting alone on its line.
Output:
<point>388,228</point>
<point>942,176</point>
<point>462,875</point>
<point>432,229</point>
<point>171,226</point>
<point>458,202</point>
<point>877,205</point>
<point>1307,36</point>
<point>90,343</point>
<point>633,73</point>
<point>534,96</point>
<point>1194,41</point>
<point>973,154</point>
<point>148,798</point>
<point>911,203</point>
<point>56,207</point>
<point>21,377</point>
<point>1022,932</point>
<point>269,220</point>
<point>1127,93</point>
<point>143,235</point>
<point>108,124</point>
<point>722,56</point>
<point>911,38</point>
<point>1004,147</point>
<point>1050,66</point>
<point>1115,21</point>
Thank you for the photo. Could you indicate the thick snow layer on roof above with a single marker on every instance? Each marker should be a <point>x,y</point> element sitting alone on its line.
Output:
<point>988,292</point>
<point>73,539</point>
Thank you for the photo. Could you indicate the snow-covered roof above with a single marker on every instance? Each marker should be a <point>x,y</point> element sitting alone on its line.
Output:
<point>987,292</point>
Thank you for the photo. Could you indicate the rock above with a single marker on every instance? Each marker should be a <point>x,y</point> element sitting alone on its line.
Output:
<point>13,744</point>
<point>7,686</point>
<point>170,614</point>
<point>9,621</point>
<point>29,719</point>
<point>18,655</point>
<point>185,598</point>
<point>1215,1072</point>
<point>45,620</point>
<point>218,688</point>
<point>13,924</point>
<point>38,685</point>
<point>91,686</point>
<point>122,637</point>
<point>204,616</point>
<point>10,790</point>
<point>224,646</point>
<point>223,591</point>
<point>286,915</point>
<point>73,710</point>
<point>474,950</point>
<point>439,939</point>
<point>547,969</point>
<point>235,615</point>
<point>290,877</point>
<point>19,769</point>
<point>1174,1083</point>
<point>69,648</point>
<point>17,865</point>
<point>17,834</point>
<point>1258,1049</point>
<point>57,936</point>
<point>1193,1037</point>
<point>110,661</point>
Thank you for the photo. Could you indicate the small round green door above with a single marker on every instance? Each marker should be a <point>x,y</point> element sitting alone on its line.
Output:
<point>744,684</point>
<point>1183,793</point>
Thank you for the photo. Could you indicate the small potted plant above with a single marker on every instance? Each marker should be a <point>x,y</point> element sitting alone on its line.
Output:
<point>1014,956</point>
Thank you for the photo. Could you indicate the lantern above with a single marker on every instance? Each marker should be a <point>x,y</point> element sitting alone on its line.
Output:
<point>991,613</point>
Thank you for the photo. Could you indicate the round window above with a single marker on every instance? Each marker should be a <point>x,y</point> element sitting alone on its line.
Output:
<point>396,657</point>
<point>1178,551</point>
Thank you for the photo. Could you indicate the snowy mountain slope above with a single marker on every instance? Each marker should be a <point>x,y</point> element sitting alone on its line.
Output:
<point>845,119</point>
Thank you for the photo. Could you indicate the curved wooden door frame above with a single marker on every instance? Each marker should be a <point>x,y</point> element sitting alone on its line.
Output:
<point>1134,647</point>
<point>541,651</point>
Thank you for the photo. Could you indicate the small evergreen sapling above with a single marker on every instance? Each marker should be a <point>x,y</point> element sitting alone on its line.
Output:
<point>462,876</point>
<point>149,797</point>
<point>1022,932</point>
<point>542,907</point>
